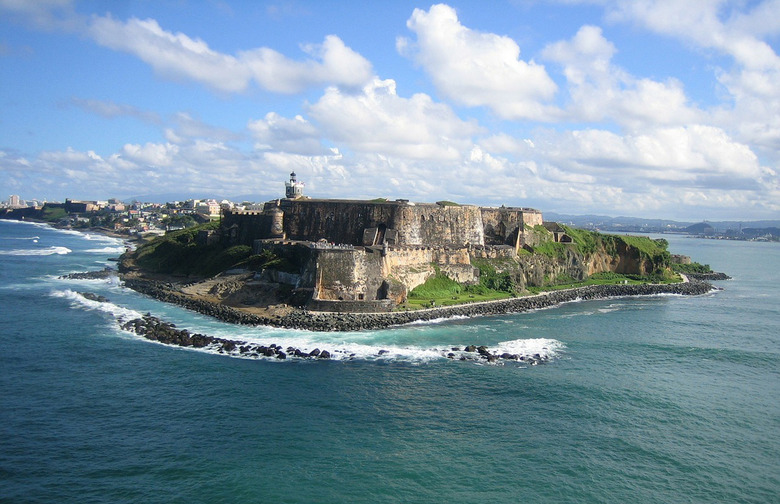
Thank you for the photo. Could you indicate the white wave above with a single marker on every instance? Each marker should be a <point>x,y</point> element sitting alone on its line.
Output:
<point>538,348</point>
<point>105,307</point>
<point>437,320</point>
<point>546,348</point>
<point>33,238</point>
<point>37,252</point>
<point>103,239</point>
<point>85,234</point>
<point>27,223</point>
<point>342,347</point>
<point>106,250</point>
<point>611,308</point>
<point>71,232</point>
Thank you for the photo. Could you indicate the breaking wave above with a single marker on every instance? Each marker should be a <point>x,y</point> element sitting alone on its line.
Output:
<point>343,347</point>
<point>106,307</point>
<point>37,252</point>
<point>24,238</point>
<point>106,250</point>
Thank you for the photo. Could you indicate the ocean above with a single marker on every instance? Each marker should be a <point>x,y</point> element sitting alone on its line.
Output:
<point>650,399</point>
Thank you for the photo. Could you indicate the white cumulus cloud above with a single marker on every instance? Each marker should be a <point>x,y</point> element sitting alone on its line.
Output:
<point>380,121</point>
<point>601,91</point>
<point>478,69</point>
<point>178,56</point>
<point>296,135</point>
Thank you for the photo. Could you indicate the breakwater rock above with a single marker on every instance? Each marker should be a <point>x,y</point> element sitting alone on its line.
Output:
<point>708,277</point>
<point>154,329</point>
<point>90,275</point>
<point>327,321</point>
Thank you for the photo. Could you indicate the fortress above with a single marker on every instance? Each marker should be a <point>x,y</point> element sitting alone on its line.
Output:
<point>367,255</point>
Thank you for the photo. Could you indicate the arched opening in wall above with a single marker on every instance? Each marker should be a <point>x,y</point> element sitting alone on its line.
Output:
<point>383,290</point>
<point>422,219</point>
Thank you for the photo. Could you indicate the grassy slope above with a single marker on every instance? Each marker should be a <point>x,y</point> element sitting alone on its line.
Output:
<point>179,253</point>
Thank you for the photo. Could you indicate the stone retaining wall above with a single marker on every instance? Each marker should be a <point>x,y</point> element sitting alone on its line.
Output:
<point>325,321</point>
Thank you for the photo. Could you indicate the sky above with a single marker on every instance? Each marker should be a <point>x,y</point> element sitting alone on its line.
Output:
<point>645,108</point>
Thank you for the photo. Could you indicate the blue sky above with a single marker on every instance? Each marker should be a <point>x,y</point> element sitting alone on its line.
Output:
<point>647,108</point>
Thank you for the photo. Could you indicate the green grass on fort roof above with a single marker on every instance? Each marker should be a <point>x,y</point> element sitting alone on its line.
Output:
<point>607,278</point>
<point>691,268</point>
<point>455,299</point>
<point>440,290</point>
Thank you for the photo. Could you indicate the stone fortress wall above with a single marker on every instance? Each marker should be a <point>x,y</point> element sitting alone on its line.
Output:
<point>367,255</point>
<point>366,223</point>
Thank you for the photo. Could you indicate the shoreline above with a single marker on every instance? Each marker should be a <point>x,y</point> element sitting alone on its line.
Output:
<point>303,319</point>
<point>85,230</point>
<point>342,322</point>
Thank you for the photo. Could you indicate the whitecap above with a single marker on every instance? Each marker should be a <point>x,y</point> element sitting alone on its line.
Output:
<point>546,348</point>
<point>534,349</point>
<point>436,320</point>
<point>341,346</point>
<point>106,306</point>
<point>33,238</point>
<point>37,252</point>
<point>106,250</point>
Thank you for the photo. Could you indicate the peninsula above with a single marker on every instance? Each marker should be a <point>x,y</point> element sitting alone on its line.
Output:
<point>347,265</point>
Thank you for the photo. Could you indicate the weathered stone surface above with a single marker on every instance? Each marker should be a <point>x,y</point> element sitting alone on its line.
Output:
<point>90,275</point>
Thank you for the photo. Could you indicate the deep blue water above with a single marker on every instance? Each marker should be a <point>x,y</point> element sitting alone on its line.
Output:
<point>657,399</point>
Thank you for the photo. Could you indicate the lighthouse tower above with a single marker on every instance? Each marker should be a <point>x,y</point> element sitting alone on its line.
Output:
<point>293,188</point>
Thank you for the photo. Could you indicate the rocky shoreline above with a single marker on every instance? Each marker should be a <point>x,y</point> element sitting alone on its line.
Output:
<point>90,275</point>
<point>155,329</point>
<point>327,321</point>
<point>708,277</point>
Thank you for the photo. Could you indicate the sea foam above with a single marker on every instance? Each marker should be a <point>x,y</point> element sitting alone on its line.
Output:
<point>37,252</point>
<point>105,306</point>
<point>341,346</point>
<point>106,250</point>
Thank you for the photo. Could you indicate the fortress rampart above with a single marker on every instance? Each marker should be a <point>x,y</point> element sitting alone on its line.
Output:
<point>370,254</point>
<point>369,223</point>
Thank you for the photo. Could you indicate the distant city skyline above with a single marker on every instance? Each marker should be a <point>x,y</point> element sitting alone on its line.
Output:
<point>645,108</point>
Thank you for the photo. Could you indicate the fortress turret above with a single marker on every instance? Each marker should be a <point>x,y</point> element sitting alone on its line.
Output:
<point>293,188</point>
<point>277,223</point>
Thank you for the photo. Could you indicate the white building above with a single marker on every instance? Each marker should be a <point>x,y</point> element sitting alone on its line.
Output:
<point>293,188</point>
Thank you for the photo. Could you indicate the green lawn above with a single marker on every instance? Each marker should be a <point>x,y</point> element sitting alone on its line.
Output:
<point>442,291</point>
<point>419,303</point>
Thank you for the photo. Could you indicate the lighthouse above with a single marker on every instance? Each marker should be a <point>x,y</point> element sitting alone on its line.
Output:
<point>293,188</point>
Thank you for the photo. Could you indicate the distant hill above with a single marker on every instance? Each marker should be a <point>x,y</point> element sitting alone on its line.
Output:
<point>616,223</point>
<point>607,223</point>
<point>701,228</point>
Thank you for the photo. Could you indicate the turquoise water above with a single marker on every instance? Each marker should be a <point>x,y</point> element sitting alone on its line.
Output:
<point>658,399</point>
